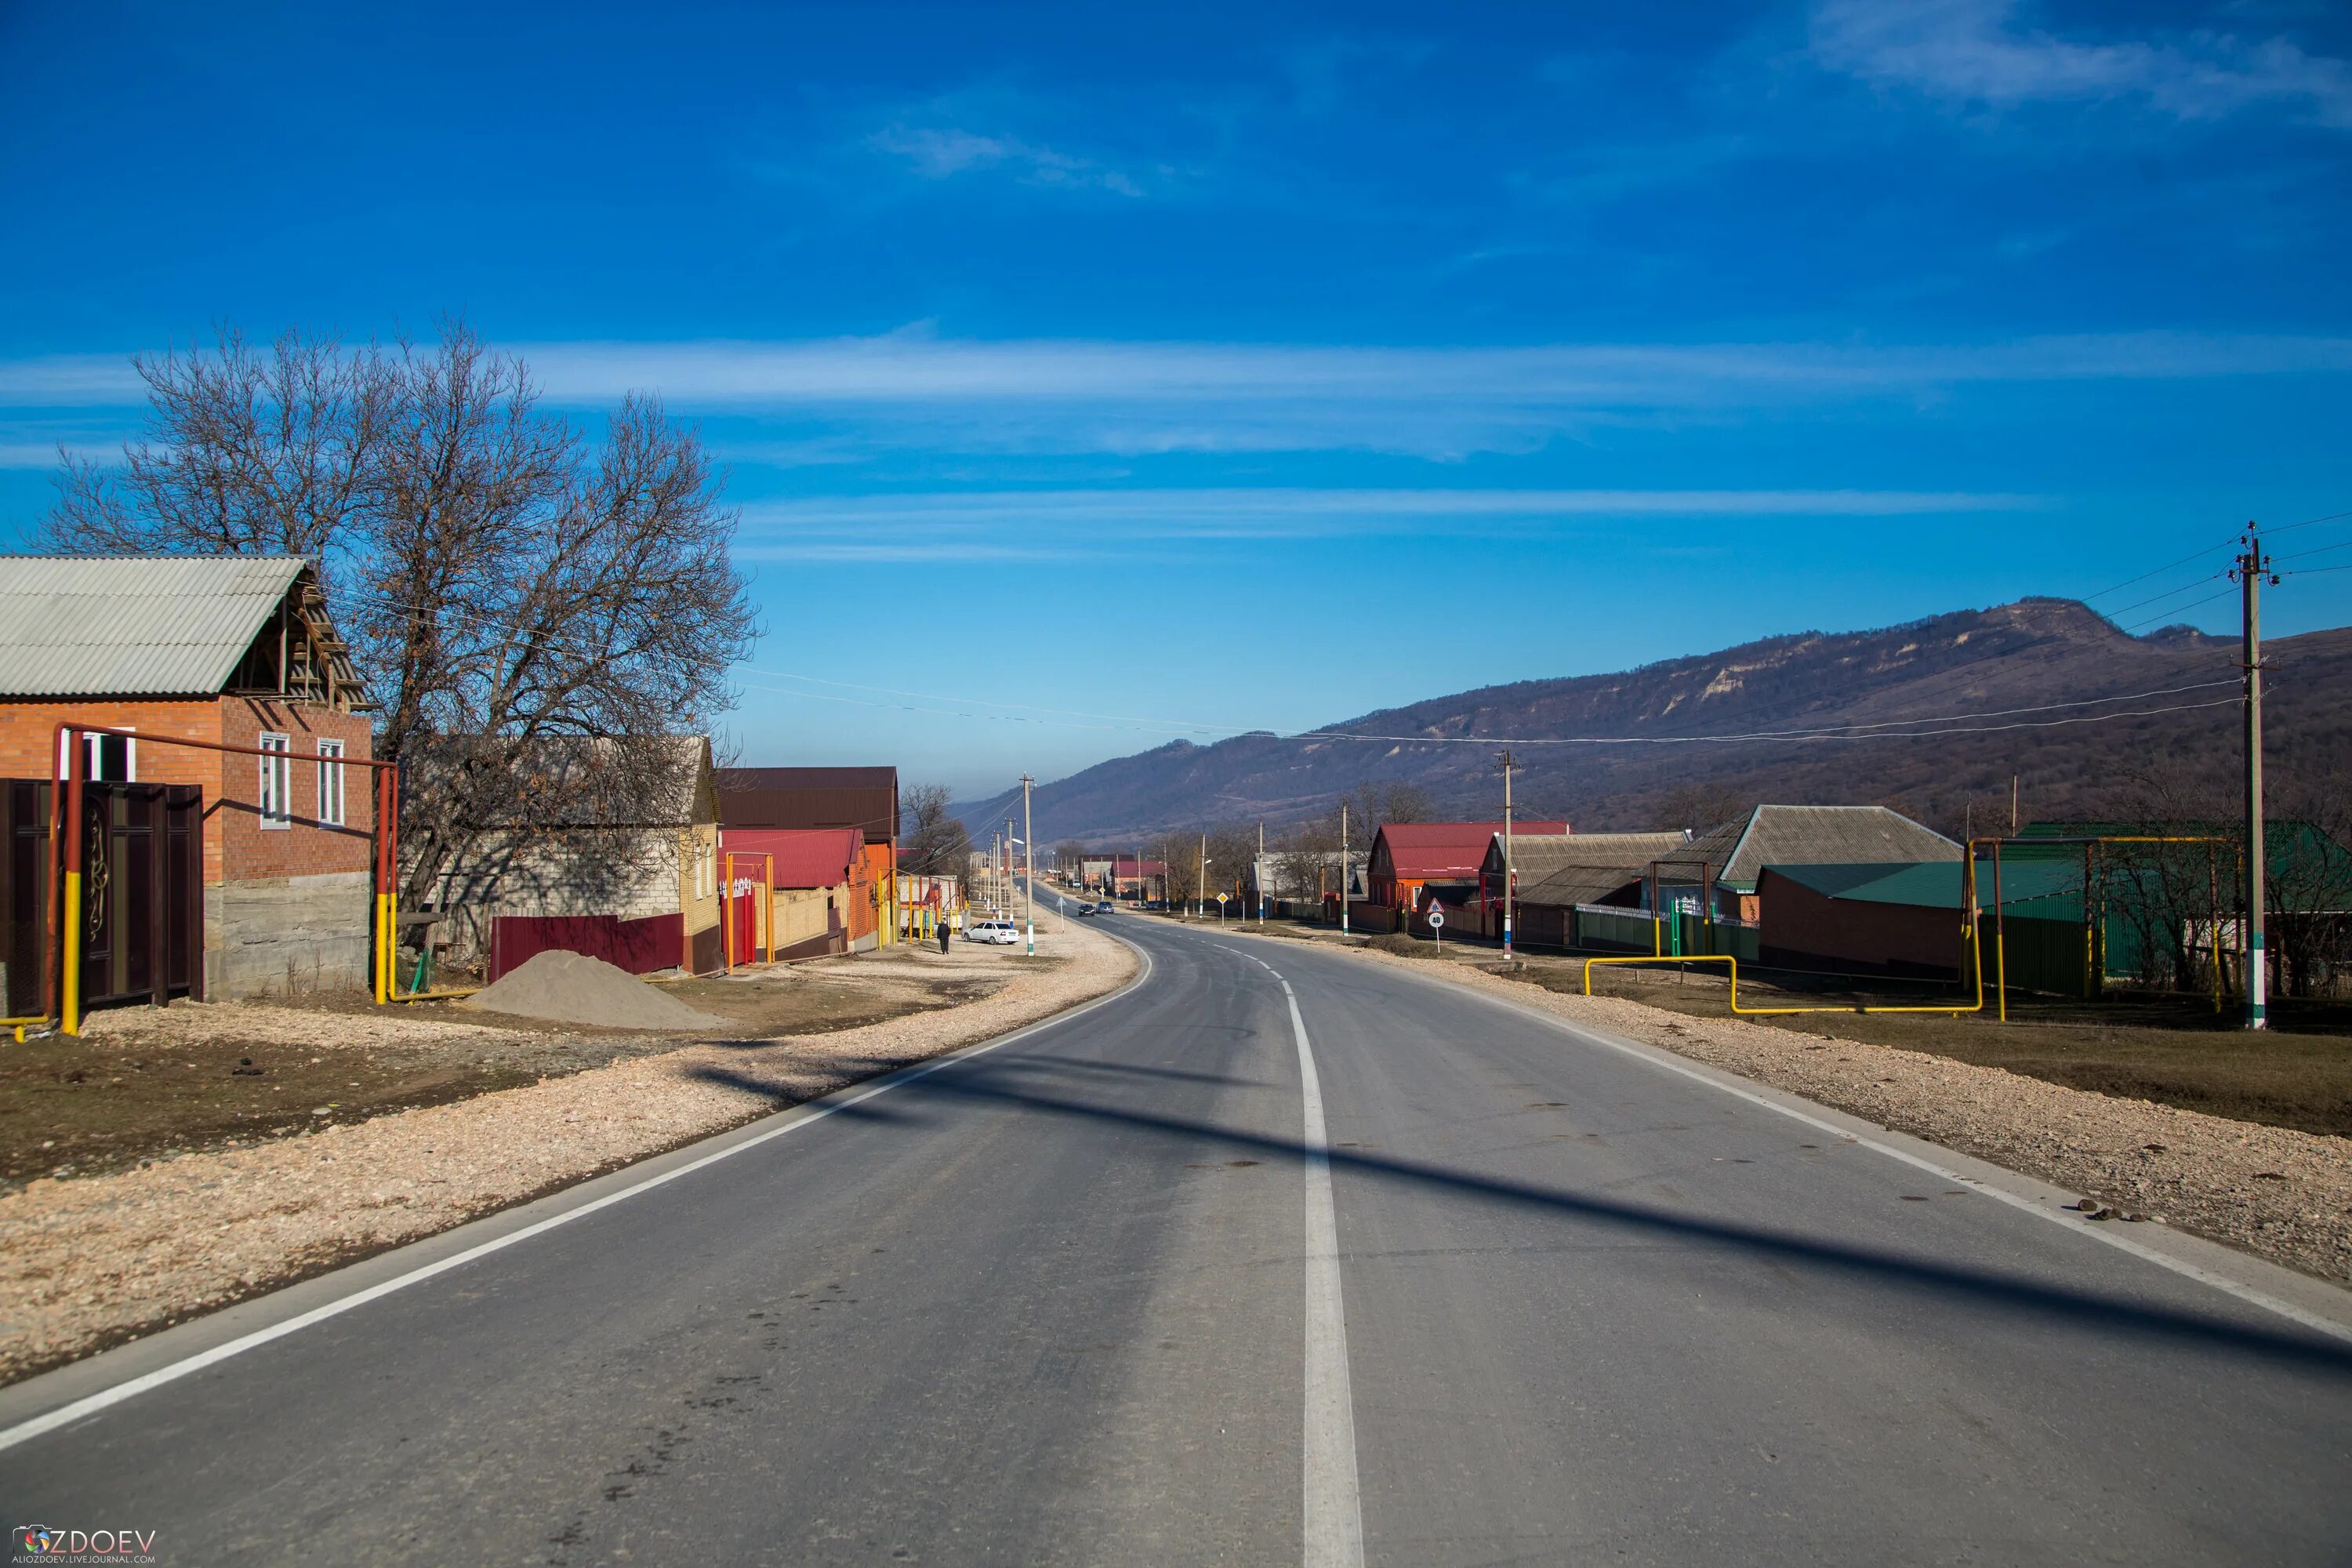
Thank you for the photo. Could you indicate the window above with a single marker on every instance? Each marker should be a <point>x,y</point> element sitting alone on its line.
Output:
<point>330,783</point>
<point>109,759</point>
<point>276,781</point>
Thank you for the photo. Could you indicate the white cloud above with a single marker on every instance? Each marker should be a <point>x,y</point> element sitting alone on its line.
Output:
<point>1064,395</point>
<point>1017,524</point>
<point>1976,51</point>
<point>939,153</point>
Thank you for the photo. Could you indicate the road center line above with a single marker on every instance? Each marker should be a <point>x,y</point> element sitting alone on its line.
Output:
<point>1334,1520</point>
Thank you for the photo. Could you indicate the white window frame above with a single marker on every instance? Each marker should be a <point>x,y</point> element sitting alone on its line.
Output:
<point>93,752</point>
<point>277,779</point>
<point>331,782</point>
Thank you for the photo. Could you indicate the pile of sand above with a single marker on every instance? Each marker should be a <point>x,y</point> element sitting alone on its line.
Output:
<point>573,988</point>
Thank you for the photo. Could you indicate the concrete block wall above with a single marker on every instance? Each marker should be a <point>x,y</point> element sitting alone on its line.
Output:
<point>287,935</point>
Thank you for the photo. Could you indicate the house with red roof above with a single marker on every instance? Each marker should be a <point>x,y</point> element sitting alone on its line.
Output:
<point>1413,861</point>
<point>824,900</point>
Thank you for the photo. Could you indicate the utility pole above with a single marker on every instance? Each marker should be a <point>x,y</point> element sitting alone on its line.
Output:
<point>1029,861</point>
<point>1257,873</point>
<point>1201,878</point>
<point>1343,868</point>
<point>1008,867</point>
<point>2012,801</point>
<point>1506,763</point>
<point>2251,569</point>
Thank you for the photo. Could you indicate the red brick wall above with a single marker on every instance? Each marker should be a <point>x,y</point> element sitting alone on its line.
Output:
<point>235,846</point>
<point>307,849</point>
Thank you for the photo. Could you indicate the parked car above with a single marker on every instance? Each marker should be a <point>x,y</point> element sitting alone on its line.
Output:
<point>1001,932</point>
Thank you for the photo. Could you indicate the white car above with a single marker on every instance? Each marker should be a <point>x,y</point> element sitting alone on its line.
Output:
<point>1002,932</point>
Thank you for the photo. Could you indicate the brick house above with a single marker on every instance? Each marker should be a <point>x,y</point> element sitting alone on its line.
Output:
<point>231,649</point>
<point>641,892</point>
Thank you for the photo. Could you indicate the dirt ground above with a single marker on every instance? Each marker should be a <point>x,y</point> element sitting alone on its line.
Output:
<point>144,1082</point>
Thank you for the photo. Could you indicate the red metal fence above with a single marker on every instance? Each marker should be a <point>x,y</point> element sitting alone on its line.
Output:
<point>639,946</point>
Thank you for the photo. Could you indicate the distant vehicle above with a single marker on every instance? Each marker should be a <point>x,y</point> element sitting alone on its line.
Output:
<point>1085,909</point>
<point>1001,932</point>
<point>1105,907</point>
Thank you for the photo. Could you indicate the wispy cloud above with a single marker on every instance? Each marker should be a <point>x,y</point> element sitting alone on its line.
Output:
<point>1978,52</point>
<point>1062,524</point>
<point>945,152</point>
<point>1061,395</point>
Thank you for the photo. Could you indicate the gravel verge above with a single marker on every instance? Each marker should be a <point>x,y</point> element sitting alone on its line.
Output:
<point>94,1261</point>
<point>2275,1192</point>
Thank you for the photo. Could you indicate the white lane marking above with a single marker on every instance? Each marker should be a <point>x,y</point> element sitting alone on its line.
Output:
<point>1334,1524</point>
<point>2096,1230</point>
<point>802,1116</point>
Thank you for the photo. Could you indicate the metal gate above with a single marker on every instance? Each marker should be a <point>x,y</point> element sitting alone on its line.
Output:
<point>142,896</point>
<point>142,893</point>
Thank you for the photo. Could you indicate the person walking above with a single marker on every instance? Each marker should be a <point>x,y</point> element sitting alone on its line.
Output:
<point>943,936</point>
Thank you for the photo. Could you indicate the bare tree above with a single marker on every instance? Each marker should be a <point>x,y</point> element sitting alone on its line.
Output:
<point>246,449</point>
<point>1180,853</point>
<point>930,838</point>
<point>1698,806</point>
<point>511,588</point>
<point>2308,882</point>
<point>1233,848</point>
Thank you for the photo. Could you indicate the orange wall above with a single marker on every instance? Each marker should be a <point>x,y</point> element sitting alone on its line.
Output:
<point>236,848</point>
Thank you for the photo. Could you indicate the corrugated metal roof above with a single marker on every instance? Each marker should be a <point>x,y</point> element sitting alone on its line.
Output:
<point>1737,852</point>
<point>1448,849</point>
<point>1539,855</point>
<point>135,625</point>
<point>805,857</point>
<point>863,798</point>
<point>1937,884</point>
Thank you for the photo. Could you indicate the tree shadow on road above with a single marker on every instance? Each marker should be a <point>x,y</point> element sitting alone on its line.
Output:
<point>2009,1294</point>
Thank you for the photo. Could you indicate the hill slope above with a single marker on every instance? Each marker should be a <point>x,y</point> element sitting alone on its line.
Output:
<point>2026,655</point>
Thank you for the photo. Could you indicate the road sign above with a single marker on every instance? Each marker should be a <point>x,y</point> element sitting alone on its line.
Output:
<point>1221,898</point>
<point>1436,920</point>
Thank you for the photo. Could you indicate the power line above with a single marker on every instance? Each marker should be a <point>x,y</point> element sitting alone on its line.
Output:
<point>2183,609</point>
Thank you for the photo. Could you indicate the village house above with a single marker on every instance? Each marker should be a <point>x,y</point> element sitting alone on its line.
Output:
<point>1413,861</point>
<point>1719,869</point>
<point>864,799</point>
<point>207,874</point>
<point>1553,875</point>
<point>637,887</point>
<point>824,900</point>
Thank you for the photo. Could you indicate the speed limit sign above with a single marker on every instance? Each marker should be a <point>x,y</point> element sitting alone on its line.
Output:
<point>1436,920</point>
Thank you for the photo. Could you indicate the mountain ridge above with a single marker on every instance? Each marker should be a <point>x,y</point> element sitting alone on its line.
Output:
<point>2005,688</point>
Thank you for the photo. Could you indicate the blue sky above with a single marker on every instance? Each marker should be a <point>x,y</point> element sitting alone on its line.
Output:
<point>1444,345</point>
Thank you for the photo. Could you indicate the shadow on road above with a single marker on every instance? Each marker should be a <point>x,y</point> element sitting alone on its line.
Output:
<point>2008,1294</point>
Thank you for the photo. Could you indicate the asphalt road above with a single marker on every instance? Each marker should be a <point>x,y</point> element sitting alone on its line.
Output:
<point>1077,1301</point>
